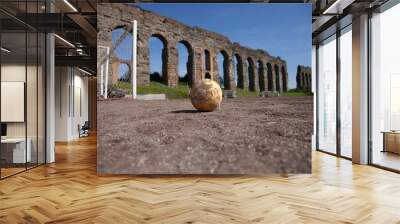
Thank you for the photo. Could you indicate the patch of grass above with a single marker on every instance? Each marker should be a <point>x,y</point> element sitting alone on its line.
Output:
<point>181,91</point>
<point>245,93</point>
<point>297,92</point>
<point>124,86</point>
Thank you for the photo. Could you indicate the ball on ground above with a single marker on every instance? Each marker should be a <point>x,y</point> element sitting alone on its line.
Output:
<point>206,95</point>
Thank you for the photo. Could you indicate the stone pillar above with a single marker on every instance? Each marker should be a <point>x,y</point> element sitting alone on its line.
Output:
<point>245,75</point>
<point>143,68</point>
<point>286,81</point>
<point>115,70</point>
<point>203,64</point>
<point>172,67</point>
<point>256,79</point>
<point>196,65</point>
<point>214,68</point>
<point>232,74</point>
<point>278,78</point>
<point>265,70</point>
<point>273,78</point>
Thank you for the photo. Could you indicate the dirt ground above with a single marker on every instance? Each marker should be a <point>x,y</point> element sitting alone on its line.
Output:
<point>245,136</point>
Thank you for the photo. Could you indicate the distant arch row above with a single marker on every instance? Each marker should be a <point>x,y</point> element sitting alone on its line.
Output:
<point>304,78</point>
<point>251,74</point>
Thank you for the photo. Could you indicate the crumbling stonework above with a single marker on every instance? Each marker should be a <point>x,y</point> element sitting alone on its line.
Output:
<point>256,69</point>
<point>303,77</point>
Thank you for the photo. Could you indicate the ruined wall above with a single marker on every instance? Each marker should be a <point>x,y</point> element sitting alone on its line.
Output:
<point>303,77</point>
<point>257,70</point>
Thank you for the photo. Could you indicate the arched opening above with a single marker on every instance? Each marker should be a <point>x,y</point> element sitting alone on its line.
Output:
<point>185,62</point>
<point>277,79</point>
<point>238,73</point>
<point>250,69</point>
<point>284,79</point>
<point>207,75</point>
<point>124,73</point>
<point>158,58</point>
<point>122,45</point>
<point>207,60</point>
<point>270,77</point>
<point>261,80</point>
<point>223,69</point>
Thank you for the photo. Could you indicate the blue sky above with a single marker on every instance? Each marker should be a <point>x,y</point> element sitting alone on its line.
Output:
<point>281,29</point>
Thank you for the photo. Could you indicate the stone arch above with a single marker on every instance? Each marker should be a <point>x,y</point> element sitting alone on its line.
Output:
<point>250,69</point>
<point>127,76</point>
<point>207,75</point>
<point>164,56</point>
<point>284,79</point>
<point>239,71</point>
<point>116,42</point>
<point>120,26</point>
<point>190,61</point>
<point>261,80</point>
<point>270,77</point>
<point>226,70</point>
<point>277,78</point>
<point>207,60</point>
<point>119,38</point>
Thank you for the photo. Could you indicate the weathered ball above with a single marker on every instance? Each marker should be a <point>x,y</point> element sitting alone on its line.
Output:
<point>206,95</point>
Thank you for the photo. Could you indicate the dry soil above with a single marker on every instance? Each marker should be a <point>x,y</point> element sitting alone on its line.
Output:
<point>245,136</point>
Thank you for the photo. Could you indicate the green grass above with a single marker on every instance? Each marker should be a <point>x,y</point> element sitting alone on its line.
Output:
<point>181,91</point>
<point>245,93</point>
<point>124,86</point>
<point>297,92</point>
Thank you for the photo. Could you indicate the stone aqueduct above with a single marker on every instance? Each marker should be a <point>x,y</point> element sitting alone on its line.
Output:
<point>303,77</point>
<point>256,69</point>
